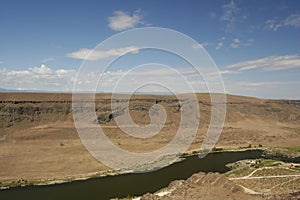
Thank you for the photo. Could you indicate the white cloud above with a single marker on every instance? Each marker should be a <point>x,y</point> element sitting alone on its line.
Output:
<point>271,83</point>
<point>37,78</point>
<point>123,20</point>
<point>15,73</point>
<point>89,54</point>
<point>62,80</point>
<point>61,72</point>
<point>236,40</point>
<point>229,72</point>
<point>198,46</point>
<point>219,45</point>
<point>205,44</point>
<point>131,80</point>
<point>43,69</point>
<point>292,20</point>
<point>230,15</point>
<point>271,63</point>
<point>282,89</point>
<point>272,25</point>
<point>45,60</point>
<point>230,10</point>
<point>235,43</point>
<point>47,79</point>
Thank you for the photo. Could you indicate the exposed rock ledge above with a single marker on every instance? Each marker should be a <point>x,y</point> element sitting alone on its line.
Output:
<point>201,186</point>
<point>209,186</point>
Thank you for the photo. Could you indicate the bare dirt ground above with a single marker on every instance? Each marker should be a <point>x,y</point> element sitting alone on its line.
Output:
<point>248,179</point>
<point>265,176</point>
<point>38,139</point>
<point>201,186</point>
<point>212,186</point>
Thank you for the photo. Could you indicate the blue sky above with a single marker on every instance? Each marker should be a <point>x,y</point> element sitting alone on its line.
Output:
<point>255,44</point>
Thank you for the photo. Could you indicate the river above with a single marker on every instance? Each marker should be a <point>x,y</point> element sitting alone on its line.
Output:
<point>130,184</point>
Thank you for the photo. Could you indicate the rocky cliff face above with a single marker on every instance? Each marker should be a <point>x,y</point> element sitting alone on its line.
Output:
<point>20,110</point>
<point>296,103</point>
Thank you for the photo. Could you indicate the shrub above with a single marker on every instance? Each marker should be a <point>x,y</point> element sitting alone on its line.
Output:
<point>217,149</point>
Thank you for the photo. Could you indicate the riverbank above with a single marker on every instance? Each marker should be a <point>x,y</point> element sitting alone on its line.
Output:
<point>57,181</point>
<point>134,184</point>
<point>262,178</point>
<point>82,177</point>
<point>284,154</point>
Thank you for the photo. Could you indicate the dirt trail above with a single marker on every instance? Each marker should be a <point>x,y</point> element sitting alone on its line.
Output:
<point>250,176</point>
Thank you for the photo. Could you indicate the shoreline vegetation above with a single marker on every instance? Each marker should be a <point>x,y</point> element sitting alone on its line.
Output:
<point>283,154</point>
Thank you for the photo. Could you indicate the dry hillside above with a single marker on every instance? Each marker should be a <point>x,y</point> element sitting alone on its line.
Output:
<point>38,139</point>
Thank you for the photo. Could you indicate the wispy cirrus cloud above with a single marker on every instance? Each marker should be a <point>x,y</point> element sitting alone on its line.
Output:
<point>292,20</point>
<point>235,43</point>
<point>45,60</point>
<point>219,45</point>
<point>151,77</point>
<point>271,63</point>
<point>272,24</point>
<point>230,15</point>
<point>229,72</point>
<point>200,45</point>
<point>62,80</point>
<point>93,55</point>
<point>268,83</point>
<point>264,89</point>
<point>122,20</point>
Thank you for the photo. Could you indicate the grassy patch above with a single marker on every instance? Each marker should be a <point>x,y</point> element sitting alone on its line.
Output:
<point>293,150</point>
<point>269,163</point>
<point>17,183</point>
<point>238,172</point>
<point>297,168</point>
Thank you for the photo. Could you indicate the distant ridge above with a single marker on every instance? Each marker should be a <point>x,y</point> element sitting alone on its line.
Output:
<point>30,91</point>
<point>5,90</point>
